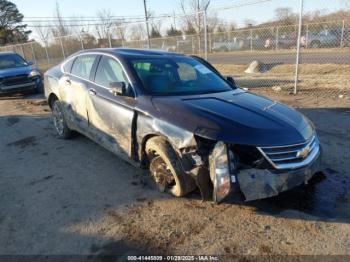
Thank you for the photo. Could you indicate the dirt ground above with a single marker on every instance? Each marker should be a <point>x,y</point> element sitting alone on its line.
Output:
<point>74,197</point>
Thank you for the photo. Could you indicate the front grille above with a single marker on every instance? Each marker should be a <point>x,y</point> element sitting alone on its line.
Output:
<point>16,80</point>
<point>292,156</point>
<point>249,157</point>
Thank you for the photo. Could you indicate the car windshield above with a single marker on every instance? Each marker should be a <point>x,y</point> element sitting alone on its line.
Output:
<point>177,76</point>
<point>11,61</point>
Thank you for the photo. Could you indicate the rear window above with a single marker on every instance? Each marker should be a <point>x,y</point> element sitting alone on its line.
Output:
<point>82,66</point>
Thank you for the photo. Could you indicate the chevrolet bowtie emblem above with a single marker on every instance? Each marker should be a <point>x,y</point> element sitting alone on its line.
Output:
<point>304,152</point>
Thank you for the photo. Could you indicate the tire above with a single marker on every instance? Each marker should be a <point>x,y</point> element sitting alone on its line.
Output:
<point>59,121</point>
<point>315,44</point>
<point>163,164</point>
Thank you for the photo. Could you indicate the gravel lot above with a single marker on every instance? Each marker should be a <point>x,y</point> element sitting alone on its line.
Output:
<point>74,197</point>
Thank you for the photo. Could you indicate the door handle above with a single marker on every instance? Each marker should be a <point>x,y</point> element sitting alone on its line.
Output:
<point>92,91</point>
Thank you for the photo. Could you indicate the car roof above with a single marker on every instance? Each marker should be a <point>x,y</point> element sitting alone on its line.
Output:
<point>7,53</point>
<point>131,52</point>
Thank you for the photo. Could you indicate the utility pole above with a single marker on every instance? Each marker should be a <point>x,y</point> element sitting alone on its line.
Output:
<point>298,47</point>
<point>206,31</point>
<point>147,28</point>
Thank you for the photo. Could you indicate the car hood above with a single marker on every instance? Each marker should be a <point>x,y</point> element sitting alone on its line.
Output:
<point>237,117</point>
<point>15,71</point>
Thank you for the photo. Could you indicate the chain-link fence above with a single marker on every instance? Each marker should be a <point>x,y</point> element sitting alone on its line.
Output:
<point>304,52</point>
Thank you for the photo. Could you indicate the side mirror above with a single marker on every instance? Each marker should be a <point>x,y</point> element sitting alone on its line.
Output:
<point>30,63</point>
<point>117,88</point>
<point>231,81</point>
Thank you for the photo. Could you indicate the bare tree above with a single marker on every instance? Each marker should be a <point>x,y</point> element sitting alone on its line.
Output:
<point>156,25</point>
<point>137,32</point>
<point>285,16</point>
<point>43,33</point>
<point>249,23</point>
<point>192,17</point>
<point>60,28</point>
<point>120,29</point>
<point>106,21</point>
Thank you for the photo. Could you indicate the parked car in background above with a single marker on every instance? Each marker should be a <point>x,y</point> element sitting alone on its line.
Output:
<point>180,118</point>
<point>284,41</point>
<point>255,43</point>
<point>238,43</point>
<point>327,38</point>
<point>228,45</point>
<point>18,75</point>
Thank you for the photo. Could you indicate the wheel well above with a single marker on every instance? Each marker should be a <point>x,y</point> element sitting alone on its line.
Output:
<point>143,154</point>
<point>52,98</point>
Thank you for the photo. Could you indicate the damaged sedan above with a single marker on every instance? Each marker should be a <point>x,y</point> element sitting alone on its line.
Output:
<point>177,116</point>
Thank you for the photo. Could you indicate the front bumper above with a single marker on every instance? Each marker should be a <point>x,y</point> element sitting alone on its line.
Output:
<point>30,86</point>
<point>262,183</point>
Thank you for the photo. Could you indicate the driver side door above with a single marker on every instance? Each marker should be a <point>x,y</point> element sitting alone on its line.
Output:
<point>111,115</point>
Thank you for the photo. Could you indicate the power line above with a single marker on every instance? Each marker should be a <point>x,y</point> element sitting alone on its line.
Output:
<point>74,22</point>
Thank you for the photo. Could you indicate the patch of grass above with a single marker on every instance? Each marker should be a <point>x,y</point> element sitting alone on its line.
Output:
<point>314,69</point>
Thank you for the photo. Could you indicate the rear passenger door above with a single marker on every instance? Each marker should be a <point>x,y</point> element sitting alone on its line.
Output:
<point>111,116</point>
<point>76,85</point>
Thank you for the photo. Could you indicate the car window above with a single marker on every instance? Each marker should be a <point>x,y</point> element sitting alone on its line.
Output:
<point>186,72</point>
<point>177,75</point>
<point>109,70</point>
<point>11,61</point>
<point>82,66</point>
<point>68,66</point>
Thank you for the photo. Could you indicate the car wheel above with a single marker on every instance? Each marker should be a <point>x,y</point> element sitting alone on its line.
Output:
<point>315,44</point>
<point>59,121</point>
<point>166,169</point>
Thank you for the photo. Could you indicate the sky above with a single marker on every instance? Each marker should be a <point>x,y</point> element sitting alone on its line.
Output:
<point>237,13</point>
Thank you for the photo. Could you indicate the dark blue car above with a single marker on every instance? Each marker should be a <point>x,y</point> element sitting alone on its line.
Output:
<point>18,75</point>
<point>180,118</point>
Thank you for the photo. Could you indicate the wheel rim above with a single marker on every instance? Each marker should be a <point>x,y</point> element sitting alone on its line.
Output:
<point>58,120</point>
<point>162,174</point>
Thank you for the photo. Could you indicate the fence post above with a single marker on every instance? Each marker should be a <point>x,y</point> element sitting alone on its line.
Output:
<point>47,53</point>
<point>298,47</point>
<point>177,44</point>
<point>307,36</point>
<point>342,34</point>
<point>210,43</point>
<point>23,55</point>
<point>193,47</point>
<point>109,38</point>
<point>251,40</point>
<point>33,53</point>
<point>277,37</point>
<point>205,35</point>
<point>81,41</point>
<point>62,47</point>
